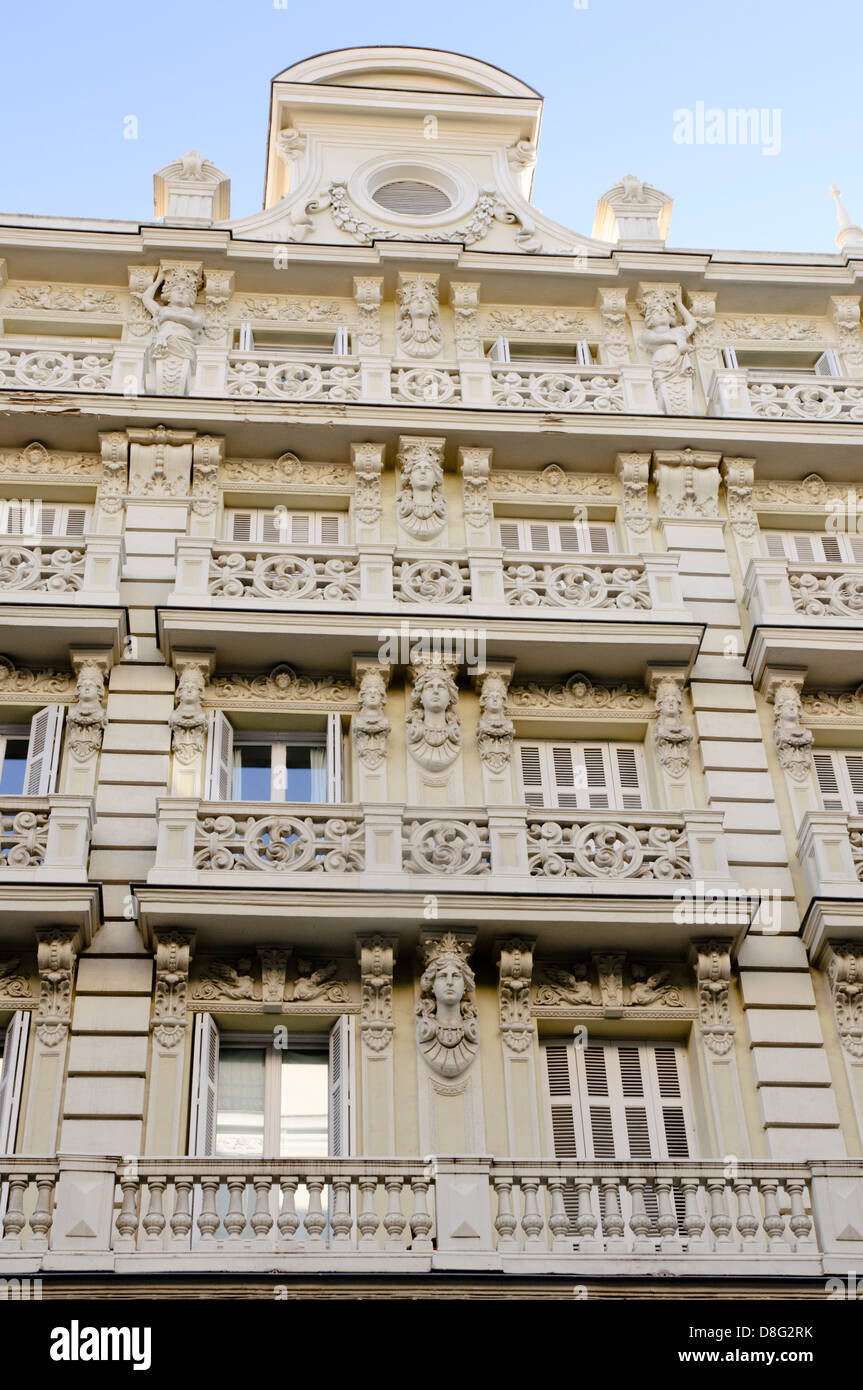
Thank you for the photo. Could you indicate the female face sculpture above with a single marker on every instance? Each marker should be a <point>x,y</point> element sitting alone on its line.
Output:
<point>449,983</point>
<point>422,476</point>
<point>435,694</point>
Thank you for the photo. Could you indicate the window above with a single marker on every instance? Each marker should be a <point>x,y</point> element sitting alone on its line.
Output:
<point>815,547</point>
<point>840,780</point>
<point>252,1100</point>
<point>619,1100</point>
<point>13,1052</point>
<point>30,516</point>
<point>581,776</point>
<point>30,754</point>
<point>279,526</point>
<point>579,354</point>
<point>278,766</point>
<point>557,537</point>
<point>410,197</point>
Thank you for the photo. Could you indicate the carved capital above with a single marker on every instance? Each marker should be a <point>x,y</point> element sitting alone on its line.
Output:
<point>173,953</point>
<point>464,298</point>
<point>688,483</point>
<point>376,955</point>
<point>515,961</point>
<point>368,294</point>
<point>634,473</point>
<point>712,962</point>
<point>739,478</point>
<point>189,720</point>
<point>55,960</point>
<point>208,453</point>
<point>368,461</point>
<point>370,727</point>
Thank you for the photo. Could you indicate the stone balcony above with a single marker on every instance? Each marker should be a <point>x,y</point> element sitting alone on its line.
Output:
<point>60,592</point>
<point>780,394</point>
<point>44,855</point>
<point>806,614</point>
<point>395,1215</point>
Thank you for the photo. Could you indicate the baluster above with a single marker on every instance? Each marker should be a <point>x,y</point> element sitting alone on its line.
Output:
<point>558,1221</point>
<point>368,1221</point>
<point>394,1221</point>
<point>613,1225</point>
<point>532,1222</point>
<point>774,1223</point>
<point>720,1221</point>
<point>315,1219</point>
<point>342,1220</point>
<point>208,1220</point>
<point>13,1220</point>
<point>505,1222</point>
<point>154,1222</point>
<point>801,1221</point>
<point>181,1216</point>
<point>586,1222</point>
<point>747,1222</point>
<point>666,1217</point>
<point>421,1221</point>
<point>262,1217</point>
<point>639,1221</point>
<point>693,1222</point>
<point>235,1217</point>
<point>43,1213</point>
<point>288,1220</point>
<point>127,1217</point>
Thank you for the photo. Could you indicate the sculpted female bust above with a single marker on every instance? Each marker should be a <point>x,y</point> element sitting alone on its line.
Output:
<point>178,326</point>
<point>447,1030</point>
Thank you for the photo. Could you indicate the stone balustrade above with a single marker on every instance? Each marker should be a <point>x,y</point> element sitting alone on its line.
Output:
<point>830,848</point>
<point>390,845</point>
<point>790,592</point>
<point>44,569</point>
<point>482,582</point>
<point>31,366</point>
<point>45,839</point>
<point>784,395</point>
<point>512,1215</point>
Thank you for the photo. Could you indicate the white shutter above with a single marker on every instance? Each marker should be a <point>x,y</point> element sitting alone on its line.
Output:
<point>826,770</point>
<point>855,546</point>
<point>557,537</point>
<point>330,528</point>
<point>499,350</point>
<point>220,757</point>
<point>510,534</point>
<point>634,1102</point>
<point>729,357</point>
<point>596,776</point>
<point>341,1141</point>
<point>828,364</point>
<point>334,756</point>
<point>814,547</point>
<point>205,1067</point>
<point>531,765</point>
<point>270,528</point>
<point>43,752</point>
<point>570,538</point>
<point>12,1078</point>
<point>777,546</point>
<point>74,521</point>
<point>854,770</point>
<point>840,780</point>
<point>341,341</point>
<point>239,526</point>
<point>627,771</point>
<point>583,354</point>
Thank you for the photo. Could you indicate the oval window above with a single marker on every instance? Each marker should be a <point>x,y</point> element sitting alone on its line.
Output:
<point>409,196</point>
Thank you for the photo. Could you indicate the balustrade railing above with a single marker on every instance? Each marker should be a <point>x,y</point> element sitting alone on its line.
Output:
<point>543,1214</point>
<point>568,844</point>
<point>45,838</point>
<point>780,394</point>
<point>43,569</point>
<point>273,376</point>
<point>787,591</point>
<point>543,386</point>
<point>33,366</point>
<point>531,582</point>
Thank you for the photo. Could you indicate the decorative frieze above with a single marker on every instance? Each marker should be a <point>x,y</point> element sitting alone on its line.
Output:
<point>14,980</point>
<point>286,472</point>
<point>515,962</point>
<point>578,692</point>
<point>421,505</point>
<point>529,319</point>
<point>286,308</point>
<point>18,684</point>
<point>610,985</point>
<point>811,491</point>
<point>832,705</point>
<point>36,463</point>
<point>447,1031</point>
<point>376,955</point>
<point>687,483</point>
<point>735,328</point>
<point>173,953</point>
<point>55,960</point>
<point>418,326</point>
<point>62,298</point>
<point>275,981</point>
<point>712,960</point>
<point>845,974</point>
<point>552,483</point>
<point>281,688</point>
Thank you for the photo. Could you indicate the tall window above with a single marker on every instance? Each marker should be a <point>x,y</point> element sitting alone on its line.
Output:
<point>13,1052</point>
<point>274,766</point>
<point>30,754</point>
<point>581,776</point>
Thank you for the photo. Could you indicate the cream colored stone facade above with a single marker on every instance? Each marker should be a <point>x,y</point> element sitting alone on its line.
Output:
<point>532,559</point>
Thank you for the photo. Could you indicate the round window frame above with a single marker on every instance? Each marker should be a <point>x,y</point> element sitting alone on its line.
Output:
<point>458,186</point>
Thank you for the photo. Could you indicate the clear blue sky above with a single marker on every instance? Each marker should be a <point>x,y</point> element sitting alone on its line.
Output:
<point>612,74</point>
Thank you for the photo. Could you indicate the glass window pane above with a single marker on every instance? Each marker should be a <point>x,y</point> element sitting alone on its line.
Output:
<point>240,1102</point>
<point>304,1104</point>
<point>14,763</point>
<point>252,772</point>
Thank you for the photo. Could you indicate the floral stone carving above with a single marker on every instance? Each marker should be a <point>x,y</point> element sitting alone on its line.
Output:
<point>713,977</point>
<point>515,959</point>
<point>845,973</point>
<point>446,1029</point>
<point>173,950</point>
<point>55,960</point>
<point>377,958</point>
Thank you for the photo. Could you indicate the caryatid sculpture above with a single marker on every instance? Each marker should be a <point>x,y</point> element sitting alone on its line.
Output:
<point>178,325</point>
<point>447,1029</point>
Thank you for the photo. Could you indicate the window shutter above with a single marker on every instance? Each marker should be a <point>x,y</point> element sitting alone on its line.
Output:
<point>670,1101</point>
<point>570,539</point>
<point>341,1116</point>
<point>583,354</point>
<point>499,350</point>
<point>855,545</point>
<point>531,766</point>
<point>341,341</point>
<point>628,780</point>
<point>561,1098</point>
<point>334,756</point>
<point>220,757</point>
<point>271,528</point>
<point>12,1078</point>
<point>828,364</point>
<point>75,521</point>
<point>596,776</point>
<point>598,1112</point>
<point>331,528</point>
<point>240,526</point>
<point>729,357</point>
<point>205,1066</point>
<point>854,769</point>
<point>510,535</point>
<point>828,781</point>
<point>539,536</point>
<point>832,548</point>
<point>601,540</point>
<point>566,774</point>
<point>43,753</point>
<point>777,545</point>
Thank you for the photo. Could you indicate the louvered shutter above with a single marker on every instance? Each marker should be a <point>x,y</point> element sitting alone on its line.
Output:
<point>220,757</point>
<point>628,777</point>
<point>566,775</point>
<point>240,526</point>
<point>828,782</point>
<point>538,535</point>
<point>43,752</point>
<point>840,781</point>
<point>205,1067</point>
<point>531,768</point>
<point>855,546</point>
<point>828,363</point>
<point>334,757</point>
<point>854,769</point>
<point>670,1101</point>
<point>330,528</point>
<point>563,1113</point>
<point>570,538</point>
<point>633,1101</point>
<point>12,1078</point>
<point>74,521</point>
<point>271,528</point>
<point>341,1108</point>
<point>596,776</point>
<point>775,543</point>
<point>510,535</point>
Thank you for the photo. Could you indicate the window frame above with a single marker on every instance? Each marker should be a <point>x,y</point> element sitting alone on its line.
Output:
<point>578,532</point>
<point>299,1042</point>
<point>258,517</point>
<point>851,801</point>
<point>584,796</point>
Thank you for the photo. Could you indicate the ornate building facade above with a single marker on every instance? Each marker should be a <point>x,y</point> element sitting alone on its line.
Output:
<point>432,725</point>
